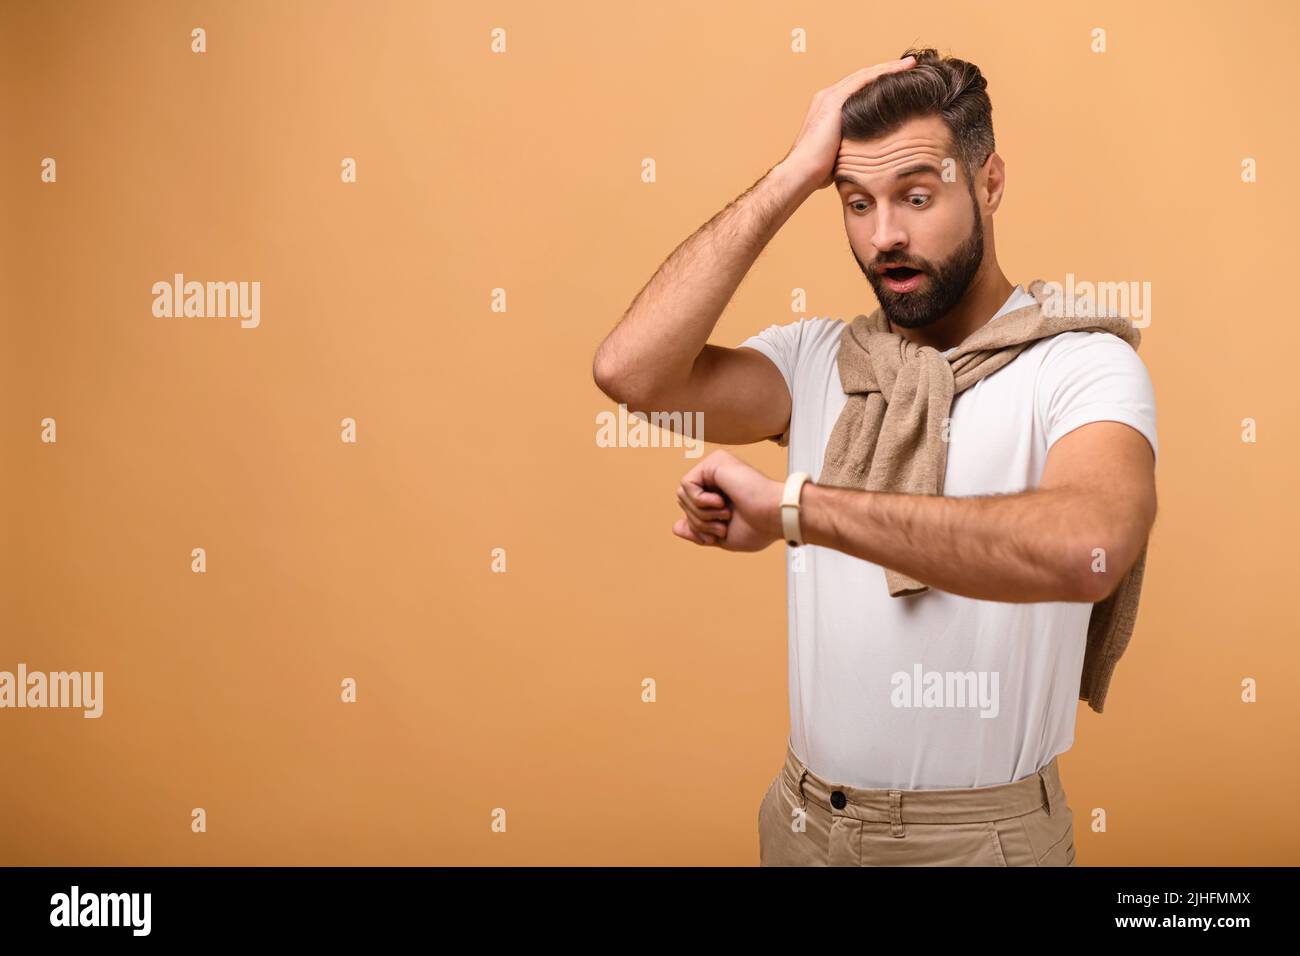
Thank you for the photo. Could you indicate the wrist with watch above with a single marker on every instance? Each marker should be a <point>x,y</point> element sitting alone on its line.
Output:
<point>790,508</point>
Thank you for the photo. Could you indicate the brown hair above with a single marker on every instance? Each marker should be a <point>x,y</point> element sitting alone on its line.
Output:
<point>952,88</point>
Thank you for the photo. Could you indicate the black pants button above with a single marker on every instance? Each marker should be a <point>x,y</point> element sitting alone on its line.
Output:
<point>838,800</point>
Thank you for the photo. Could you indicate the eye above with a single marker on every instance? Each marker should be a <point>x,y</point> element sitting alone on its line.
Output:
<point>858,202</point>
<point>921,196</point>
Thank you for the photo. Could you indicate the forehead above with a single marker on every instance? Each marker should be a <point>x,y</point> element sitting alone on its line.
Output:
<point>878,162</point>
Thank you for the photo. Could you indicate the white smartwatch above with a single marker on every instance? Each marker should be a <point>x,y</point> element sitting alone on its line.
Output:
<point>790,508</point>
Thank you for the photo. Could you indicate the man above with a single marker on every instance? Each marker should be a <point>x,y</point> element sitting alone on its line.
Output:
<point>936,640</point>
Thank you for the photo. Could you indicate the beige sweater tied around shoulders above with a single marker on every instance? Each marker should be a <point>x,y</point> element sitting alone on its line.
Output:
<point>888,437</point>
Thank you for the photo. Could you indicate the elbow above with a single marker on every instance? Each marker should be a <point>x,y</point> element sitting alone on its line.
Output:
<point>618,383</point>
<point>1098,565</point>
<point>606,375</point>
<point>1094,587</point>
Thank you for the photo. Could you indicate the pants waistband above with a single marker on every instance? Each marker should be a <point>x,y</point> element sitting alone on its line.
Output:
<point>945,805</point>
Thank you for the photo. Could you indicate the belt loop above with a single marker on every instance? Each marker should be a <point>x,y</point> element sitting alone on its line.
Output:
<point>1047,790</point>
<point>802,803</point>
<point>896,813</point>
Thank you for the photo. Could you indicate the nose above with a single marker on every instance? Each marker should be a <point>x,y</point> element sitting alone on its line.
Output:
<point>888,233</point>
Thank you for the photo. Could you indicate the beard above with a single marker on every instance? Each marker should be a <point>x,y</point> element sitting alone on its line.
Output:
<point>942,286</point>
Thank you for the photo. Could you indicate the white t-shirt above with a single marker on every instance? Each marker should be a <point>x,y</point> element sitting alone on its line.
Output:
<point>1006,674</point>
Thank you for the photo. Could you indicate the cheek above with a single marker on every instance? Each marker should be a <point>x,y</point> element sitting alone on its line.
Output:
<point>937,236</point>
<point>859,229</point>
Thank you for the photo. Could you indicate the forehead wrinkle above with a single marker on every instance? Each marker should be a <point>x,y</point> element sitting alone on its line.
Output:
<point>894,146</point>
<point>880,162</point>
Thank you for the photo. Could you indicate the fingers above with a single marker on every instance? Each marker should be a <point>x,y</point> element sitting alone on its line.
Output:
<point>701,504</point>
<point>705,527</point>
<point>705,522</point>
<point>892,66</point>
<point>683,529</point>
<point>702,520</point>
<point>707,511</point>
<point>860,78</point>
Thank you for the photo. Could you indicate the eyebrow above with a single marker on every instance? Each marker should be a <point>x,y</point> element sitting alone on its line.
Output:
<point>912,170</point>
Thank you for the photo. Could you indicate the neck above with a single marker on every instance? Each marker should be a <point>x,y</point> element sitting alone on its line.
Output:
<point>985,296</point>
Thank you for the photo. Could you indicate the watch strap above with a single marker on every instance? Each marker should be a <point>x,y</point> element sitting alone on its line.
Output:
<point>790,508</point>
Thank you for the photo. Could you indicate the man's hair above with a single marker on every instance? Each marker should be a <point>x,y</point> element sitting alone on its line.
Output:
<point>951,88</point>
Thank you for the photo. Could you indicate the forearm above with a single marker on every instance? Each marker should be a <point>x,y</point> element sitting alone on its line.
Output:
<point>1031,546</point>
<point>656,343</point>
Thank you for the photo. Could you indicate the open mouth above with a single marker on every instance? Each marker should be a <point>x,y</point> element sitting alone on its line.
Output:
<point>901,278</point>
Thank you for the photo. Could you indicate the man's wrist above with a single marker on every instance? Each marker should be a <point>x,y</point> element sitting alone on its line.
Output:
<point>793,181</point>
<point>773,525</point>
<point>815,510</point>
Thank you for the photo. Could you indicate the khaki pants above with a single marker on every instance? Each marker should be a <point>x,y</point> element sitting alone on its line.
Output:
<point>805,820</point>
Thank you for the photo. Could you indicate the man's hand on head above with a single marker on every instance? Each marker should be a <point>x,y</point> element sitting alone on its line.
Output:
<point>812,157</point>
<point>729,504</point>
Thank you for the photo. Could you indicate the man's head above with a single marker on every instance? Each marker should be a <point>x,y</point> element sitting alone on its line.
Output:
<point>936,115</point>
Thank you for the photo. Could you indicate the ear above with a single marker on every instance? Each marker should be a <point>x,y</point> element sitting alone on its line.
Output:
<point>990,182</point>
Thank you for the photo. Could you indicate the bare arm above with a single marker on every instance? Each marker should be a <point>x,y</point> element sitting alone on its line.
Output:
<point>657,358</point>
<point>1097,491</point>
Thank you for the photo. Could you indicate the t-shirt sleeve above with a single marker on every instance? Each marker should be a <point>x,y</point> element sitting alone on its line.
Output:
<point>780,343</point>
<point>1093,377</point>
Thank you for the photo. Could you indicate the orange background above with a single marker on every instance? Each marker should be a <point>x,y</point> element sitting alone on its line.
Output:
<point>476,429</point>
